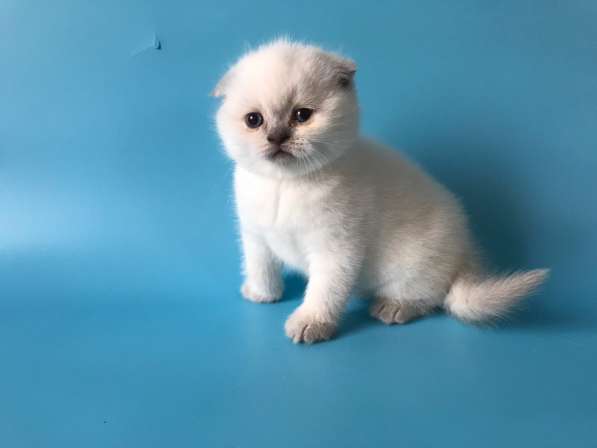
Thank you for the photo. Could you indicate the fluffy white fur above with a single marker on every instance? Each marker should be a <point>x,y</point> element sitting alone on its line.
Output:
<point>352,215</point>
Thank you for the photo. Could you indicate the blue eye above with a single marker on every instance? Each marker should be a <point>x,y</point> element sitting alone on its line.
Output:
<point>303,114</point>
<point>253,120</point>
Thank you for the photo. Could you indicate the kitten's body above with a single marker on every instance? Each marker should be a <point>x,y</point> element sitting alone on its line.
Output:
<point>360,218</point>
<point>387,211</point>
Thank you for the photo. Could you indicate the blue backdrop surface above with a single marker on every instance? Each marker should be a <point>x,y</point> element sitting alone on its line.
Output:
<point>121,324</point>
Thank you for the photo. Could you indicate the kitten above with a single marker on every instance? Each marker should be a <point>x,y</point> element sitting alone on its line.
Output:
<point>354,216</point>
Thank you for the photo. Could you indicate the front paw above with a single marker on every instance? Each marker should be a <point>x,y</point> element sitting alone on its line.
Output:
<point>249,293</point>
<point>305,326</point>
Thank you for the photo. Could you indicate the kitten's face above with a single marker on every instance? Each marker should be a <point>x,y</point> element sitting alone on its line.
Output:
<point>288,109</point>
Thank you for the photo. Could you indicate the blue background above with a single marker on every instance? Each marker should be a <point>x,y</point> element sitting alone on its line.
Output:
<point>121,324</point>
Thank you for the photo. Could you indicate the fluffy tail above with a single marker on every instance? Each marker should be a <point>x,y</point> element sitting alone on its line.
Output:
<point>477,300</point>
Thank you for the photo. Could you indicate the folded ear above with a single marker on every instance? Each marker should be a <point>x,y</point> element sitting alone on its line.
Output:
<point>346,69</point>
<point>222,85</point>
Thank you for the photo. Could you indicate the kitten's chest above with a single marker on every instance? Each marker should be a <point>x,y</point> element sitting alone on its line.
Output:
<point>285,214</point>
<point>273,206</point>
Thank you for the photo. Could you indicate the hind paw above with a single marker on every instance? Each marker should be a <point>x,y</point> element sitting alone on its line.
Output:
<point>393,312</point>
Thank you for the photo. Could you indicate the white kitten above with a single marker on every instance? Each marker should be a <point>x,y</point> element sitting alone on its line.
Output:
<point>352,215</point>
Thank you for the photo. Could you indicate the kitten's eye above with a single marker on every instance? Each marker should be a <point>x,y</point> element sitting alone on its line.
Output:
<point>253,120</point>
<point>303,114</point>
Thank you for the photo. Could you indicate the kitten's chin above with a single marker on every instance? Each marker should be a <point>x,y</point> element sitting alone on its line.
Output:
<point>284,166</point>
<point>281,165</point>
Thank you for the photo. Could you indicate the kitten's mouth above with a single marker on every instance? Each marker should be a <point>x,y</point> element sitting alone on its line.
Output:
<point>279,154</point>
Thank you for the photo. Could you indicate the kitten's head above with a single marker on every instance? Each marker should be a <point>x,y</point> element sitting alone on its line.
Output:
<point>289,109</point>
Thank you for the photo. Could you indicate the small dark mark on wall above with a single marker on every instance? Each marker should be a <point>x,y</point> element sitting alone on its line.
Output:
<point>155,44</point>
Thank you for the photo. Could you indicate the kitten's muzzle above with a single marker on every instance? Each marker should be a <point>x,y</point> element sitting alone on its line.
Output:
<point>277,137</point>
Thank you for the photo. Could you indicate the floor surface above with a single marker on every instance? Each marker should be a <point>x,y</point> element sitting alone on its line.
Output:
<point>121,324</point>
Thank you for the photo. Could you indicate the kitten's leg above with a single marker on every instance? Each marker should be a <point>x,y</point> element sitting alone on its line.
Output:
<point>263,271</point>
<point>325,298</point>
